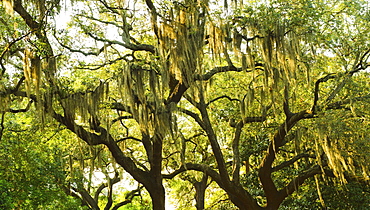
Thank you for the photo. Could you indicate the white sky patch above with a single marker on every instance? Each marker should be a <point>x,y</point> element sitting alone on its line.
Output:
<point>65,16</point>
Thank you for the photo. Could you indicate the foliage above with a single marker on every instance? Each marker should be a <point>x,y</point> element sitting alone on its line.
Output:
<point>239,104</point>
<point>32,169</point>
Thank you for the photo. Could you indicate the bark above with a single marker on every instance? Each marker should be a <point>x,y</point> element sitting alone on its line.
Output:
<point>156,190</point>
<point>236,153</point>
<point>113,181</point>
<point>273,196</point>
<point>152,180</point>
<point>157,194</point>
<point>240,197</point>
<point>87,198</point>
<point>200,191</point>
<point>128,198</point>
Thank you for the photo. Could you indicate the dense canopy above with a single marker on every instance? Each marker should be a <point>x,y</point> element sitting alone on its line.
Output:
<point>162,104</point>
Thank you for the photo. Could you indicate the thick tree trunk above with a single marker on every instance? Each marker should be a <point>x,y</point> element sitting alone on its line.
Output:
<point>156,189</point>
<point>157,193</point>
<point>200,191</point>
<point>242,199</point>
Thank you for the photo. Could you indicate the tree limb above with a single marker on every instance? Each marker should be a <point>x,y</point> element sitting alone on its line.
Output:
<point>196,167</point>
<point>295,183</point>
<point>130,46</point>
<point>221,69</point>
<point>221,97</point>
<point>96,53</point>
<point>87,197</point>
<point>317,89</point>
<point>7,49</point>
<point>216,70</point>
<point>69,192</point>
<point>194,116</point>
<point>291,161</point>
<point>113,181</point>
<point>265,170</point>
<point>20,110</point>
<point>236,153</point>
<point>128,198</point>
<point>18,7</point>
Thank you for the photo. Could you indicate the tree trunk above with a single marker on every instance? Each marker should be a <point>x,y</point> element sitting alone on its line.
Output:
<point>242,199</point>
<point>156,189</point>
<point>157,193</point>
<point>200,191</point>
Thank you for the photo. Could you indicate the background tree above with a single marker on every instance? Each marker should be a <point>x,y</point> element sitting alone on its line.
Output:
<point>259,97</point>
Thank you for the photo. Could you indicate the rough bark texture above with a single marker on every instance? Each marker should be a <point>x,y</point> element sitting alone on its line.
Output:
<point>200,190</point>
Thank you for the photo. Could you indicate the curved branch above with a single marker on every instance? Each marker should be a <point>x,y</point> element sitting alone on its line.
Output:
<point>127,138</point>
<point>128,198</point>
<point>340,104</point>
<point>69,191</point>
<point>212,137</point>
<point>7,48</point>
<point>291,161</point>
<point>82,133</point>
<point>196,167</point>
<point>221,97</point>
<point>347,76</point>
<point>130,46</point>
<point>252,38</point>
<point>317,89</point>
<point>87,198</point>
<point>18,7</point>
<point>194,116</point>
<point>221,69</point>
<point>96,53</point>
<point>122,118</point>
<point>236,193</point>
<point>265,170</point>
<point>216,70</point>
<point>105,22</point>
<point>113,181</point>
<point>21,110</point>
<point>294,184</point>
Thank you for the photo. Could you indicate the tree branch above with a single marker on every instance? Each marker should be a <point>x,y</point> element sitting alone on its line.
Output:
<point>7,49</point>
<point>221,97</point>
<point>236,153</point>
<point>291,161</point>
<point>340,104</point>
<point>127,138</point>
<point>252,38</point>
<point>265,170</point>
<point>68,191</point>
<point>347,76</point>
<point>94,139</point>
<point>194,116</point>
<point>216,70</point>
<point>88,137</point>
<point>294,184</point>
<point>221,69</point>
<point>317,89</point>
<point>214,143</point>
<point>122,118</point>
<point>113,181</point>
<point>20,110</point>
<point>196,167</point>
<point>128,198</point>
<point>87,197</point>
<point>96,53</point>
<point>18,7</point>
<point>130,46</point>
